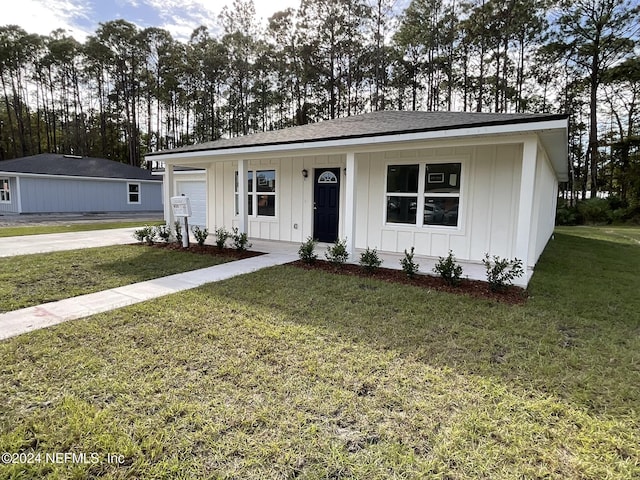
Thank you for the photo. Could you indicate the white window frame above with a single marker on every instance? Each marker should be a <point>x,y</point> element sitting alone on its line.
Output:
<point>129,193</point>
<point>254,194</point>
<point>387,194</point>
<point>422,195</point>
<point>5,195</point>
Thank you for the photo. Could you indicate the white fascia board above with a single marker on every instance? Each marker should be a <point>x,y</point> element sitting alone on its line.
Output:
<point>72,177</point>
<point>199,171</point>
<point>356,144</point>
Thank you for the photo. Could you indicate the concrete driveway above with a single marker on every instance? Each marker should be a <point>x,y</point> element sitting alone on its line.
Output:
<point>17,220</point>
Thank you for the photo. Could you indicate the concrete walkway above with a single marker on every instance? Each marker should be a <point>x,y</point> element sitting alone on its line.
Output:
<point>41,316</point>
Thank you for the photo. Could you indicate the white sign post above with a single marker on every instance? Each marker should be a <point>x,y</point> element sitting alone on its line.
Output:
<point>182,208</point>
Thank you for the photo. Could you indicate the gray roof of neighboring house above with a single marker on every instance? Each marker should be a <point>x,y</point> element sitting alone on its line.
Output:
<point>70,165</point>
<point>369,125</point>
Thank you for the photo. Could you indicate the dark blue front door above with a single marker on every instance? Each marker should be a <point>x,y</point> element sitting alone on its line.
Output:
<point>326,200</point>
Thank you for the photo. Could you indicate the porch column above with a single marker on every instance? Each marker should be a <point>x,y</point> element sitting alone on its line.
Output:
<point>525,207</point>
<point>243,203</point>
<point>350,204</point>
<point>168,192</point>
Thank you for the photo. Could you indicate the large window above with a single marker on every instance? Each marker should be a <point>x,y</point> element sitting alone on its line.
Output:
<point>5,195</point>
<point>133,193</point>
<point>261,193</point>
<point>438,202</point>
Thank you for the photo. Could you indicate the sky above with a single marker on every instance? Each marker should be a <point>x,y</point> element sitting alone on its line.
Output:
<point>80,18</point>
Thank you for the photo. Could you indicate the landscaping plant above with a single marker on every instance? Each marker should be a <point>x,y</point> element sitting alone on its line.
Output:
<point>306,252</point>
<point>337,253</point>
<point>240,240</point>
<point>449,270</point>
<point>145,234</point>
<point>178,226</point>
<point>369,260</point>
<point>222,234</point>
<point>408,265</point>
<point>200,234</point>
<point>501,271</point>
<point>164,232</point>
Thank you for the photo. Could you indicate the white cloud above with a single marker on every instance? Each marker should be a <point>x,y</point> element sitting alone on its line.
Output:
<point>80,17</point>
<point>44,16</point>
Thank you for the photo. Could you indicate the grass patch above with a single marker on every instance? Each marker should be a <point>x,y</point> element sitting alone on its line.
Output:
<point>72,227</point>
<point>288,373</point>
<point>28,280</point>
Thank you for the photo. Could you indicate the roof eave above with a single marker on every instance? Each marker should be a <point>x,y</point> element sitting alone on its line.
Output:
<point>558,124</point>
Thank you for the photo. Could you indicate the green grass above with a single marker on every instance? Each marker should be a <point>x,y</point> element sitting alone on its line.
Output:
<point>29,280</point>
<point>72,227</point>
<point>287,373</point>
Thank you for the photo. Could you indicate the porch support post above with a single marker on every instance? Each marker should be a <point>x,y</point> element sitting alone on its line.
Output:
<point>525,207</point>
<point>243,202</point>
<point>168,192</point>
<point>350,204</point>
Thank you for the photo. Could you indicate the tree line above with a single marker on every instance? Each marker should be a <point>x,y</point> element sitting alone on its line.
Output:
<point>126,91</point>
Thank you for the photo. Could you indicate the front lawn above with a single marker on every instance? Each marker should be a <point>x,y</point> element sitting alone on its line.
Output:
<point>28,280</point>
<point>14,231</point>
<point>288,373</point>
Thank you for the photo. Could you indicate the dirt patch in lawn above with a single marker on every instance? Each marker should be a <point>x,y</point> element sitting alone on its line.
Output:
<point>474,288</point>
<point>208,250</point>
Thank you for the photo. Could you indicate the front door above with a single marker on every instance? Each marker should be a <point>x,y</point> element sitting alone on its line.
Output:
<point>326,199</point>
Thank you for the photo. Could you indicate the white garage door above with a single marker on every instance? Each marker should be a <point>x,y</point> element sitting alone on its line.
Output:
<point>197,193</point>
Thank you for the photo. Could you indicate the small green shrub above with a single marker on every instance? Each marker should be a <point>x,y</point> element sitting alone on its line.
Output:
<point>178,226</point>
<point>145,234</point>
<point>408,265</point>
<point>337,253</point>
<point>501,271</point>
<point>369,260</point>
<point>566,215</point>
<point>200,234</point>
<point>164,232</point>
<point>240,240</point>
<point>306,252</point>
<point>595,210</point>
<point>449,270</point>
<point>222,235</point>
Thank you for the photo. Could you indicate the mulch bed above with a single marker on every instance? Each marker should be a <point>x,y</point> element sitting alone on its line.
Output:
<point>474,288</point>
<point>208,250</point>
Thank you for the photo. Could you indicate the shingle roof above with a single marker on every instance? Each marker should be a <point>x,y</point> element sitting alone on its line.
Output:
<point>369,125</point>
<point>58,164</point>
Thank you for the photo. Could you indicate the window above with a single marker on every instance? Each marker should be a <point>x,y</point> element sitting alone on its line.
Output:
<point>442,194</point>
<point>261,193</point>
<point>402,193</point>
<point>5,195</point>
<point>133,193</point>
<point>440,184</point>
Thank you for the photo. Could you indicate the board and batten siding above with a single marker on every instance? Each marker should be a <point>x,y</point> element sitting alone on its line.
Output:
<point>488,203</point>
<point>544,207</point>
<point>53,195</point>
<point>293,221</point>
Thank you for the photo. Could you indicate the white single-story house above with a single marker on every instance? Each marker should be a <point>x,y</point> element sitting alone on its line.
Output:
<point>472,183</point>
<point>56,183</point>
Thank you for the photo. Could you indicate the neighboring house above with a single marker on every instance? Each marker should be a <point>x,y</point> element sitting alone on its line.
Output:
<point>55,183</point>
<point>473,183</point>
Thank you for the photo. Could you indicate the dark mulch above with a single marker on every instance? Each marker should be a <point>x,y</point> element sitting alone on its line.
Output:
<point>208,250</point>
<point>475,288</point>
